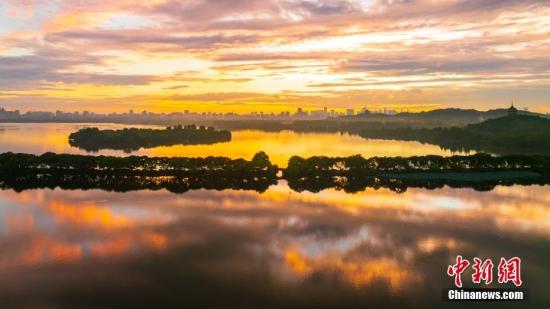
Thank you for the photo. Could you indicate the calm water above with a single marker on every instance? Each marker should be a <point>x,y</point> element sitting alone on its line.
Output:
<point>279,248</point>
<point>40,138</point>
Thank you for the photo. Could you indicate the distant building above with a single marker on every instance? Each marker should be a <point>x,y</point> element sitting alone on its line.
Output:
<point>512,111</point>
<point>300,112</point>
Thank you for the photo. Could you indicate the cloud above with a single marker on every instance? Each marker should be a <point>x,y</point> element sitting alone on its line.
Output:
<point>425,66</point>
<point>52,66</point>
<point>270,47</point>
<point>176,87</point>
<point>130,38</point>
<point>325,7</point>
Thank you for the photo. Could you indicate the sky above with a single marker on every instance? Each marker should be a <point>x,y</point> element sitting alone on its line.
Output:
<point>267,55</point>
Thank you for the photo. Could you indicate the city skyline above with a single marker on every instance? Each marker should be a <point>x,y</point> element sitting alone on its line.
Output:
<point>188,115</point>
<point>298,113</point>
<point>248,56</point>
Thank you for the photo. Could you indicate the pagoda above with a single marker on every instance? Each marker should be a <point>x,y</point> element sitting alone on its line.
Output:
<point>512,111</point>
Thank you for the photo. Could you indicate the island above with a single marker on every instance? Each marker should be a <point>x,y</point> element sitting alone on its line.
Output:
<point>131,139</point>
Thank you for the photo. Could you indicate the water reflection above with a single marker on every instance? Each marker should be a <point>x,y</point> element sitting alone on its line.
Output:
<point>280,146</point>
<point>278,249</point>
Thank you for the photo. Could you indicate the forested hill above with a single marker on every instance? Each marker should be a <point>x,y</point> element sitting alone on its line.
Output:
<point>519,134</point>
<point>440,117</point>
<point>513,125</point>
<point>511,134</point>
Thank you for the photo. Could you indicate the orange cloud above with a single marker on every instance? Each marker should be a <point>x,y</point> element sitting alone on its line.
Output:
<point>347,53</point>
<point>88,214</point>
<point>356,272</point>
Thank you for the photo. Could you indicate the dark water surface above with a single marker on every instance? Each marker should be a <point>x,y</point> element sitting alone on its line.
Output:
<point>279,248</point>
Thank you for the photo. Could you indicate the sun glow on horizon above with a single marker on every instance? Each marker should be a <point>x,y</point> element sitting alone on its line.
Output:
<point>272,56</point>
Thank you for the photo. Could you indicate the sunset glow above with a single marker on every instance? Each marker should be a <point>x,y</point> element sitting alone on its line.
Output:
<point>270,56</point>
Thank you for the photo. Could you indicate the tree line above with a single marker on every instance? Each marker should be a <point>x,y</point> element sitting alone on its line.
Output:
<point>355,173</point>
<point>352,174</point>
<point>136,165</point>
<point>357,165</point>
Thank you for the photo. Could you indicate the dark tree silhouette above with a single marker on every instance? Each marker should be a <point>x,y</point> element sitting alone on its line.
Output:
<point>129,139</point>
<point>351,174</point>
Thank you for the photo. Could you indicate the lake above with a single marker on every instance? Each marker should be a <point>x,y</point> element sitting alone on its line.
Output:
<point>38,138</point>
<point>275,249</point>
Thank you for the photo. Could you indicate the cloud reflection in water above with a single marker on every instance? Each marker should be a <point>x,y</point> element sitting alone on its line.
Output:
<point>276,248</point>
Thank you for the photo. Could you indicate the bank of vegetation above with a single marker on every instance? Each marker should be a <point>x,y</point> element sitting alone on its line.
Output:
<point>506,135</point>
<point>26,171</point>
<point>351,174</point>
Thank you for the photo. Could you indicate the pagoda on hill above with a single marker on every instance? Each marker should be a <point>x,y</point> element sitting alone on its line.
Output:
<point>512,111</point>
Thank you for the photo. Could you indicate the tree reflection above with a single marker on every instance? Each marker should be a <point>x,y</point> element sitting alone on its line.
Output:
<point>125,183</point>
<point>400,185</point>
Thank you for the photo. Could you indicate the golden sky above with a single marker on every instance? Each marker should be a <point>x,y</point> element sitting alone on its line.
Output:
<point>269,55</point>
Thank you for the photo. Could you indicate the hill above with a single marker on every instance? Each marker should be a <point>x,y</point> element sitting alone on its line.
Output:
<point>439,117</point>
<point>517,134</point>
